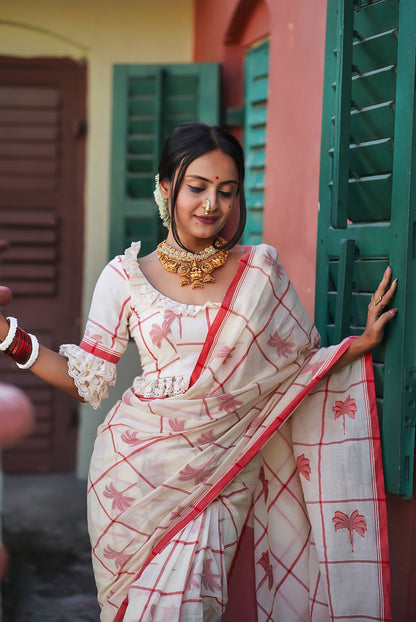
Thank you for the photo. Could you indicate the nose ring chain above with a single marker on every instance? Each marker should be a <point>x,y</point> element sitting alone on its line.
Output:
<point>207,206</point>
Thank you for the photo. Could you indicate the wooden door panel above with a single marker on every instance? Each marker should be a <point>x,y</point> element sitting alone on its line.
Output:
<point>42,102</point>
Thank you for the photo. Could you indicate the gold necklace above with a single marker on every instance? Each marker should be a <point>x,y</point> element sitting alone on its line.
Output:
<point>195,269</point>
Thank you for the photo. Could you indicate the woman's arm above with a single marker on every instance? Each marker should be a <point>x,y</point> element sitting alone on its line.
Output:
<point>89,369</point>
<point>49,366</point>
<point>377,319</point>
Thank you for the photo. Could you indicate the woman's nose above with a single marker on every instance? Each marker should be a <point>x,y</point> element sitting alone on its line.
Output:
<point>213,198</point>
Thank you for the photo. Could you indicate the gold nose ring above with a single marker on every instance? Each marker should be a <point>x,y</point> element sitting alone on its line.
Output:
<point>207,206</point>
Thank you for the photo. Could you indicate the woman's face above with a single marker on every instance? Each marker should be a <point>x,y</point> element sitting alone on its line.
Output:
<point>212,176</point>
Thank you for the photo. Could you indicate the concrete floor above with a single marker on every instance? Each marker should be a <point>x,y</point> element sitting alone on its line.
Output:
<point>44,528</point>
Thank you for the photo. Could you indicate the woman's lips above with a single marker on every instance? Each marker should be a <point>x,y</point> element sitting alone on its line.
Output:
<point>207,220</point>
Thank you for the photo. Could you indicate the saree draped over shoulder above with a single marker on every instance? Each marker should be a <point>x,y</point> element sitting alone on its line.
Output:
<point>233,433</point>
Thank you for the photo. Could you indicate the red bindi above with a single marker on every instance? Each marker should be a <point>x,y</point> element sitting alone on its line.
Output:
<point>216,177</point>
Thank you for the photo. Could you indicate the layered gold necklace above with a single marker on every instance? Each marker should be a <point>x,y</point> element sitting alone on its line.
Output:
<point>194,269</point>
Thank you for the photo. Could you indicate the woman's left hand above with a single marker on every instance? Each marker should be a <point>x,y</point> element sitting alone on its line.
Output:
<point>377,319</point>
<point>377,316</point>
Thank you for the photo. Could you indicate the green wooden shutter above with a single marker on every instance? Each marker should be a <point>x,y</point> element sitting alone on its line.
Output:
<point>256,76</point>
<point>148,102</point>
<point>367,202</point>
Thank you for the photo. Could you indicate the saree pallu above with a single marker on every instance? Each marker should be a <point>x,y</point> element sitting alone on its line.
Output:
<point>262,443</point>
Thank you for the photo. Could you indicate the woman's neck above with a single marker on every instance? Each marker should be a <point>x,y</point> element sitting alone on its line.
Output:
<point>195,245</point>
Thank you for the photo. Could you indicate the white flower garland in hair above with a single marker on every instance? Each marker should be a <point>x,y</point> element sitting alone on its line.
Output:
<point>161,203</point>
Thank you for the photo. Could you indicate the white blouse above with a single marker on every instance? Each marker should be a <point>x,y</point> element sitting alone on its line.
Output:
<point>168,334</point>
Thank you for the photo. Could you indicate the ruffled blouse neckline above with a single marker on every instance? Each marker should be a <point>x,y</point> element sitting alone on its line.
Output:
<point>152,296</point>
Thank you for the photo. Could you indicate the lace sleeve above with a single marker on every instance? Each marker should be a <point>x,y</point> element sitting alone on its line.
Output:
<point>92,364</point>
<point>91,375</point>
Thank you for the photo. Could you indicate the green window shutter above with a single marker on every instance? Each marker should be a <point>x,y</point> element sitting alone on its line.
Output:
<point>368,204</point>
<point>256,76</point>
<point>148,102</point>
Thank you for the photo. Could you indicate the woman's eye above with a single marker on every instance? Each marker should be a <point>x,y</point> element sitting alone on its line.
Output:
<point>195,189</point>
<point>225,194</point>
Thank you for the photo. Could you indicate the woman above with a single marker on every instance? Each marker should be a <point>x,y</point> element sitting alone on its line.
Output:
<point>193,467</point>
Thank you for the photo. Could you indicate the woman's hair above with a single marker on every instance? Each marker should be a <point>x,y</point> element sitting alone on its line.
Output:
<point>188,142</point>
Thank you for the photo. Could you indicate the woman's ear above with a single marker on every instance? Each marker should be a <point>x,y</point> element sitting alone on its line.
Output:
<point>165,188</point>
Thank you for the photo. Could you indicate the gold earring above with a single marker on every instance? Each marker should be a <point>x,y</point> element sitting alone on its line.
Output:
<point>207,206</point>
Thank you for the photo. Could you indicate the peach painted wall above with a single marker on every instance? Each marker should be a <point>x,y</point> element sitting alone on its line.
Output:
<point>224,29</point>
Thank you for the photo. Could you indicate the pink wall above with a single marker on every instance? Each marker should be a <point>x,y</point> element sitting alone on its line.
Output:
<point>294,134</point>
<point>224,29</point>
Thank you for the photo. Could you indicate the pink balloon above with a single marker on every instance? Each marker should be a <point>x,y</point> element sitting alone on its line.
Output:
<point>17,415</point>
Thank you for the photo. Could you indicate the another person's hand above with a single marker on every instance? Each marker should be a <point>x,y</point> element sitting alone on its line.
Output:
<point>5,298</point>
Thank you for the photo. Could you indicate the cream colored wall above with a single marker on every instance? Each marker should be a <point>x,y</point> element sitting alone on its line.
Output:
<point>103,32</point>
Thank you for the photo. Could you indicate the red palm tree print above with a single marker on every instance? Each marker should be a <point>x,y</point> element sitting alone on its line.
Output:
<point>355,522</point>
<point>226,353</point>
<point>206,437</point>
<point>120,502</point>
<point>347,407</point>
<point>304,466</point>
<point>177,425</point>
<point>97,338</point>
<point>264,484</point>
<point>208,577</point>
<point>159,333</point>
<point>282,345</point>
<point>130,437</point>
<point>312,368</point>
<point>228,403</point>
<point>170,317</point>
<point>119,558</point>
<point>177,512</point>
<point>198,475</point>
<point>264,562</point>
<point>269,260</point>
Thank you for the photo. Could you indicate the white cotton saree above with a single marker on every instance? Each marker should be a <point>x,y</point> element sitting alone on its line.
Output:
<point>235,433</point>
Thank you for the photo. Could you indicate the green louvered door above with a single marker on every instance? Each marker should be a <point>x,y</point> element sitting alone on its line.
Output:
<point>149,101</point>
<point>367,202</point>
<point>256,76</point>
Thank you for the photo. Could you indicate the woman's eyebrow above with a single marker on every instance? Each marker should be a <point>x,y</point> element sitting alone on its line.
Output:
<point>229,181</point>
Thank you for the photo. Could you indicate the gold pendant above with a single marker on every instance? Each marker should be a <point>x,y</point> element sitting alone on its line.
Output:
<point>195,269</point>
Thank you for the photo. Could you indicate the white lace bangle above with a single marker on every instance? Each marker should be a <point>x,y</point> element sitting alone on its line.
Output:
<point>10,335</point>
<point>33,356</point>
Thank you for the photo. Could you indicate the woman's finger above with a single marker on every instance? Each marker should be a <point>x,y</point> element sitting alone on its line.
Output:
<point>390,292</point>
<point>382,286</point>
<point>387,316</point>
<point>383,293</point>
<point>383,300</point>
<point>375,329</point>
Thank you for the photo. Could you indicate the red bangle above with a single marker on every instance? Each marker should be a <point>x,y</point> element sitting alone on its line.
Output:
<point>20,349</point>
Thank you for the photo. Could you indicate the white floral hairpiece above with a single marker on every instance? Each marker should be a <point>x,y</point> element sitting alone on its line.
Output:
<point>162,204</point>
